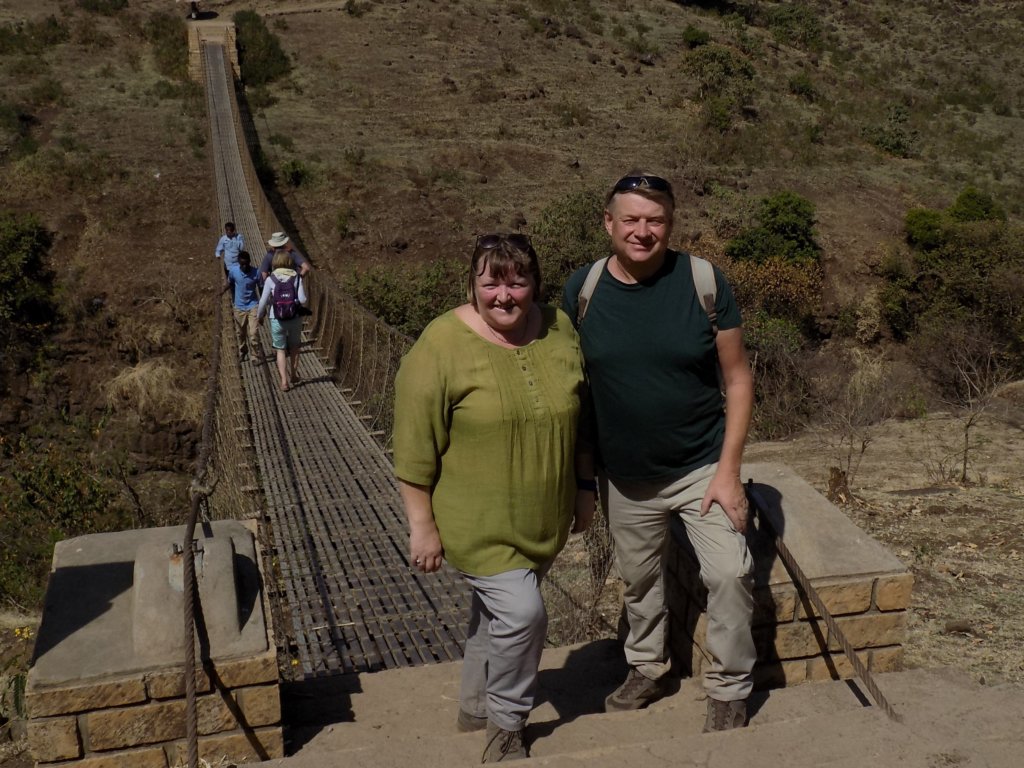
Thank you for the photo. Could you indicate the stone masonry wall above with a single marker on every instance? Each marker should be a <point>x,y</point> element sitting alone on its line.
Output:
<point>793,645</point>
<point>139,722</point>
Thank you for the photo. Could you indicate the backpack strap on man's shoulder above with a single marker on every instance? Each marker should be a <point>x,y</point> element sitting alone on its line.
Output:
<point>583,297</point>
<point>707,289</point>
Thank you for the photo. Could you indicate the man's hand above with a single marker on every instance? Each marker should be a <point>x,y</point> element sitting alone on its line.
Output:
<point>728,492</point>
<point>583,516</point>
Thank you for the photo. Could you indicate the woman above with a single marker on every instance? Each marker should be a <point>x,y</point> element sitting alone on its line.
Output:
<point>283,292</point>
<point>486,407</point>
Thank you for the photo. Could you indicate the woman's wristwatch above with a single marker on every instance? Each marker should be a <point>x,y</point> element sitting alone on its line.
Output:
<point>584,484</point>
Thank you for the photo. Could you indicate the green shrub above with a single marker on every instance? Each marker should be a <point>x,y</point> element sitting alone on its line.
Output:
<point>104,7</point>
<point>801,85</point>
<point>33,37</point>
<point>295,173</point>
<point>260,56</point>
<point>27,308</point>
<point>168,35</point>
<point>894,136</point>
<point>259,98</point>
<point>782,390</point>
<point>971,269</point>
<point>777,288</point>
<point>282,141</point>
<point>45,497</point>
<point>785,231</point>
<point>409,296</point>
<point>16,130</point>
<point>568,234</point>
<point>796,24</point>
<point>718,70</point>
<point>694,38</point>
<point>724,82</point>
<point>974,205</point>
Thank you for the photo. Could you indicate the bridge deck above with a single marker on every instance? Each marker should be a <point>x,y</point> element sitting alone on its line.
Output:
<point>350,600</point>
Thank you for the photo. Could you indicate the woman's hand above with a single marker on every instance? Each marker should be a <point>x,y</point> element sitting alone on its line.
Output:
<point>425,551</point>
<point>583,516</point>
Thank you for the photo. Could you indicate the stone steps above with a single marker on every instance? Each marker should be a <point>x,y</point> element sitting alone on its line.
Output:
<point>406,717</point>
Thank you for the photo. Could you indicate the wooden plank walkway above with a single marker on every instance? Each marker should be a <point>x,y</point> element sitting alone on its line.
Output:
<point>338,529</point>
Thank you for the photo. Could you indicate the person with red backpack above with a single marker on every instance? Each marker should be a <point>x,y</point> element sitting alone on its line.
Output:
<point>283,295</point>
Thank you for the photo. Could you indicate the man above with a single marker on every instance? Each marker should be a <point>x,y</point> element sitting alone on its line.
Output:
<point>245,279</point>
<point>231,243</point>
<point>667,446</point>
<point>281,241</point>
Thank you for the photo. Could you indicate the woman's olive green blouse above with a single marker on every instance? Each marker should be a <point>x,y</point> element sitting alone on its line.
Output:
<point>492,431</point>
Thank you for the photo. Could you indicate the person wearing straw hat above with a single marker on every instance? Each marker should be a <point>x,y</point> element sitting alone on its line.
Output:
<point>281,241</point>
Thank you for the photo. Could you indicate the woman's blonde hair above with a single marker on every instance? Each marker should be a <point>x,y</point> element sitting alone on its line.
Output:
<point>282,260</point>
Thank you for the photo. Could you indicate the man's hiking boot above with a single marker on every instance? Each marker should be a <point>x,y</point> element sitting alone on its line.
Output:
<point>504,745</point>
<point>468,722</point>
<point>725,715</point>
<point>637,692</point>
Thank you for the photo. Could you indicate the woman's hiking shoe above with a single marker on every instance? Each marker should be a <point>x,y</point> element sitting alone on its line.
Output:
<point>468,722</point>
<point>725,715</point>
<point>637,692</point>
<point>504,745</point>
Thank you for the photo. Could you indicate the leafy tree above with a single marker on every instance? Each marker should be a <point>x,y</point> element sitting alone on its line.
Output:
<point>168,34</point>
<point>26,290</point>
<point>260,56</point>
<point>785,230</point>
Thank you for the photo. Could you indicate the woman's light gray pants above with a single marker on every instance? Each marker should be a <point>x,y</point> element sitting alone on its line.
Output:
<point>507,626</point>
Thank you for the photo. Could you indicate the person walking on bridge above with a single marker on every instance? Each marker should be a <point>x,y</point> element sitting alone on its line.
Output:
<point>244,278</point>
<point>486,409</point>
<point>669,445</point>
<point>283,293</point>
<point>231,244</point>
<point>280,241</point>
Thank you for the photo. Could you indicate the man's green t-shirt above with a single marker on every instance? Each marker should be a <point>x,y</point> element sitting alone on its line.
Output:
<point>652,365</point>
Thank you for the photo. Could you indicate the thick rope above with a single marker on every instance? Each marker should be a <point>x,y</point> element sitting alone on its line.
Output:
<point>812,594</point>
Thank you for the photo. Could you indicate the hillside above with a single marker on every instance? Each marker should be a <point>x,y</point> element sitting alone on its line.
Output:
<point>407,127</point>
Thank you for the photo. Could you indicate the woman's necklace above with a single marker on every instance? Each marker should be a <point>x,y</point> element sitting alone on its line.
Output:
<point>509,339</point>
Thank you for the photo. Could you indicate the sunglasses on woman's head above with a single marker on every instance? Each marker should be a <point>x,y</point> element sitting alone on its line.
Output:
<point>632,183</point>
<point>517,241</point>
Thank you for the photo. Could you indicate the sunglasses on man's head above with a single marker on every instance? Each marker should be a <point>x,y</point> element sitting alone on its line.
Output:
<point>633,183</point>
<point>517,241</point>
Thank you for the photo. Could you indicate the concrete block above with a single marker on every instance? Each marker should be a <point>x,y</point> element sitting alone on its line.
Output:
<point>134,726</point>
<point>43,702</point>
<point>886,659</point>
<point>840,599</point>
<point>54,738</point>
<point>778,674</point>
<point>774,605</point>
<point>236,673</point>
<point>152,757</point>
<point>892,593</point>
<point>261,705</point>
<point>794,640</point>
<point>834,666</point>
<point>872,630</point>
<point>261,744</point>
<point>257,706</point>
<point>170,684</point>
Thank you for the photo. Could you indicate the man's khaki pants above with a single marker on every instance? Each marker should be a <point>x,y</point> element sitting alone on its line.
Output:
<point>248,331</point>
<point>638,518</point>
